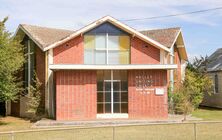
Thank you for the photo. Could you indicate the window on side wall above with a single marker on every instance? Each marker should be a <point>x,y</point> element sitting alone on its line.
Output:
<point>216,84</point>
<point>29,66</point>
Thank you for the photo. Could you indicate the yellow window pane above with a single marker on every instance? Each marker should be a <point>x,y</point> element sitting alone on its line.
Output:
<point>124,42</point>
<point>89,42</point>
<point>124,57</point>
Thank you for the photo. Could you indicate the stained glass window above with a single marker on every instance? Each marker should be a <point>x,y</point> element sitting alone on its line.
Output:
<point>106,44</point>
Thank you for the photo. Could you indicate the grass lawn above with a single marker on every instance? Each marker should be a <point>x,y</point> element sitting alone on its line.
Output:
<point>181,131</point>
<point>12,123</point>
<point>208,114</point>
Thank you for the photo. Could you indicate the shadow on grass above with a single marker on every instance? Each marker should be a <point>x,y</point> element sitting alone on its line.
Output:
<point>210,108</point>
<point>31,120</point>
<point>3,123</point>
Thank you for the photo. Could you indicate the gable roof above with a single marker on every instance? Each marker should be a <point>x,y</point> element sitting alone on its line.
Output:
<point>215,61</point>
<point>44,36</point>
<point>47,38</point>
<point>166,36</point>
<point>116,23</point>
<point>35,35</point>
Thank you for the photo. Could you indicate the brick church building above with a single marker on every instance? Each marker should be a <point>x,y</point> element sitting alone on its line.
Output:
<point>103,70</point>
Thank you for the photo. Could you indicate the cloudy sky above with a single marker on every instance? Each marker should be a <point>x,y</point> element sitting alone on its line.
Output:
<point>202,32</point>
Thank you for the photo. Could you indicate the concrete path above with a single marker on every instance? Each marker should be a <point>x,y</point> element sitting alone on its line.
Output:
<point>46,123</point>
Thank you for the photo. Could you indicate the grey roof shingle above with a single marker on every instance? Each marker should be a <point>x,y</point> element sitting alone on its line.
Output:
<point>215,61</point>
<point>46,36</point>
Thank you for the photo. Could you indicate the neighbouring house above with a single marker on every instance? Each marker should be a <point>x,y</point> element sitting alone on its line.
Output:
<point>103,70</point>
<point>214,69</point>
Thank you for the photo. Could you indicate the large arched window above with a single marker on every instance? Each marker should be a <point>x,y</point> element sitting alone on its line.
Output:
<point>106,44</point>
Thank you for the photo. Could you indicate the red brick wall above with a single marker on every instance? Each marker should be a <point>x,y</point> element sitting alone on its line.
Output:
<point>71,52</point>
<point>143,55</point>
<point>76,95</point>
<point>145,105</point>
<point>40,71</point>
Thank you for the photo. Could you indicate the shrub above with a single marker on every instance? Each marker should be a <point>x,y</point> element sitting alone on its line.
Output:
<point>190,93</point>
<point>35,98</point>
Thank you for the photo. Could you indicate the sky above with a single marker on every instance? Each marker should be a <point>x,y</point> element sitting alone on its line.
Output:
<point>202,32</point>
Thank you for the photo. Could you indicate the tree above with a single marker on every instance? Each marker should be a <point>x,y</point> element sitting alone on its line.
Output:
<point>190,93</point>
<point>198,78</point>
<point>11,62</point>
<point>199,65</point>
<point>182,100</point>
<point>34,103</point>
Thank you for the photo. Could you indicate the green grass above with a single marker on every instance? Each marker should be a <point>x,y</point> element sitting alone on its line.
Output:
<point>208,114</point>
<point>180,131</point>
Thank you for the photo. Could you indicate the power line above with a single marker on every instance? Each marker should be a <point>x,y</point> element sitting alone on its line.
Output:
<point>174,15</point>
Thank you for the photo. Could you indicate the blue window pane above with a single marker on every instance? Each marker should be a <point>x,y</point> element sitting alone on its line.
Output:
<point>106,28</point>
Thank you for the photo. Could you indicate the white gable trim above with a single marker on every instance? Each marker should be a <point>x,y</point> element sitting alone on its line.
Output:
<point>29,35</point>
<point>115,22</point>
<point>179,46</point>
<point>176,38</point>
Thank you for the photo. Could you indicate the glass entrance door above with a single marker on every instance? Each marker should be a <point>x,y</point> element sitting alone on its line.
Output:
<point>112,92</point>
<point>116,96</point>
<point>108,97</point>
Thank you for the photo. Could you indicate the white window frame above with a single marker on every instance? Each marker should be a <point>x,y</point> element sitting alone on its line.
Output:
<point>112,97</point>
<point>107,49</point>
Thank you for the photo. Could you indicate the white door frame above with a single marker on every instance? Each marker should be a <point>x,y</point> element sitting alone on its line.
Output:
<point>112,114</point>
